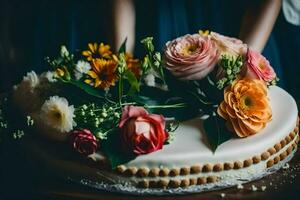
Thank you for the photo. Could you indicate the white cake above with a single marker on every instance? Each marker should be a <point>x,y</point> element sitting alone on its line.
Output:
<point>188,164</point>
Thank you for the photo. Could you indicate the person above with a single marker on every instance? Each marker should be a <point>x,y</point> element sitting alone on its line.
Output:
<point>256,27</point>
<point>286,32</point>
<point>250,21</point>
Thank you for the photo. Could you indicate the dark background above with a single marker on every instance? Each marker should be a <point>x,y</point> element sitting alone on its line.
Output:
<point>31,30</point>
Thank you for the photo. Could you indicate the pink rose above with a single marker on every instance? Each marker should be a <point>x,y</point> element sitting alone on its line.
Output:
<point>83,141</point>
<point>258,67</point>
<point>142,132</point>
<point>229,45</point>
<point>191,57</point>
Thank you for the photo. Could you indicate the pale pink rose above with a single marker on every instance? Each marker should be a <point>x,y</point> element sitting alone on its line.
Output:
<point>191,57</point>
<point>258,67</point>
<point>229,45</point>
<point>142,132</point>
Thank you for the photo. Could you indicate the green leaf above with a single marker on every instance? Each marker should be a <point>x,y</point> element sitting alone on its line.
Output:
<point>160,99</point>
<point>112,147</point>
<point>132,80</point>
<point>88,89</point>
<point>216,131</point>
<point>122,48</point>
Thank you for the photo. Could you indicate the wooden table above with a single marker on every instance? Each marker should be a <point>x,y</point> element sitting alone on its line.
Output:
<point>20,180</point>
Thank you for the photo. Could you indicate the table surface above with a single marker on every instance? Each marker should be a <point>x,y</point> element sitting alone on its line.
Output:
<point>20,180</point>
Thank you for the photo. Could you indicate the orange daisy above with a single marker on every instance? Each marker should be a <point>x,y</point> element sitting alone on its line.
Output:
<point>133,64</point>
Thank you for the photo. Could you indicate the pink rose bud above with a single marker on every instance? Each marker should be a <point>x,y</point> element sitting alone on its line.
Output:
<point>258,67</point>
<point>191,57</point>
<point>142,133</point>
<point>83,141</point>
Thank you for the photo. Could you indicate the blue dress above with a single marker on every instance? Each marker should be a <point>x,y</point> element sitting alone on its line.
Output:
<point>169,19</point>
<point>41,28</point>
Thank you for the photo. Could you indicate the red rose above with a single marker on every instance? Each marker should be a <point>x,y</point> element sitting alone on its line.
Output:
<point>142,132</point>
<point>83,141</point>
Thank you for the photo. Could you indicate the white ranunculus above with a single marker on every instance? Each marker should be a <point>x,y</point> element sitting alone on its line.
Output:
<point>25,95</point>
<point>57,114</point>
<point>82,67</point>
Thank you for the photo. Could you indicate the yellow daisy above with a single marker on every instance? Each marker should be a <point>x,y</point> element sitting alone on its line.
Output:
<point>97,51</point>
<point>103,73</point>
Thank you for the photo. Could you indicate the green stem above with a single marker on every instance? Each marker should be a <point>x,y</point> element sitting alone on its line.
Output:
<point>199,99</point>
<point>106,132</point>
<point>179,105</point>
<point>120,90</point>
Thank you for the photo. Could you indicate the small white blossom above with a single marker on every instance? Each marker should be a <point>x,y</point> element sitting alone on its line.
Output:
<point>116,114</point>
<point>64,51</point>
<point>254,188</point>
<point>286,166</point>
<point>81,68</point>
<point>150,80</point>
<point>263,188</point>
<point>240,186</point>
<point>50,76</point>
<point>104,114</point>
<point>222,195</point>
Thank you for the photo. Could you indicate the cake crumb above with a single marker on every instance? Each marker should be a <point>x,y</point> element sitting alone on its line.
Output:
<point>240,186</point>
<point>263,188</point>
<point>222,195</point>
<point>254,188</point>
<point>286,166</point>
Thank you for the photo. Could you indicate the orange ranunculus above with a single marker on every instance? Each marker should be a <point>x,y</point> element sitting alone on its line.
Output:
<point>246,106</point>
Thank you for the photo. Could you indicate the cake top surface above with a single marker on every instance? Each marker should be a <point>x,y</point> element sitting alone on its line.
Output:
<point>191,146</point>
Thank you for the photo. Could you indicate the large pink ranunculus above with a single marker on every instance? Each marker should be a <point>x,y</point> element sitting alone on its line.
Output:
<point>258,67</point>
<point>191,57</point>
<point>229,45</point>
<point>142,132</point>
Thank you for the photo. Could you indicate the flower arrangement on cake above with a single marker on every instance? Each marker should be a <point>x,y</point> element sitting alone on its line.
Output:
<point>100,100</point>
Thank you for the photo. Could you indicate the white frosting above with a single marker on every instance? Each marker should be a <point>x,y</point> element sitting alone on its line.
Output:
<point>191,147</point>
<point>188,148</point>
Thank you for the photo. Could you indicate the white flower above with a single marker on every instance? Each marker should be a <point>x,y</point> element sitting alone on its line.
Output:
<point>64,51</point>
<point>25,95</point>
<point>57,114</point>
<point>50,76</point>
<point>150,80</point>
<point>31,80</point>
<point>82,67</point>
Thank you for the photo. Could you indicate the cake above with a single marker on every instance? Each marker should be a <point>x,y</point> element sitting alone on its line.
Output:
<point>188,165</point>
<point>205,115</point>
